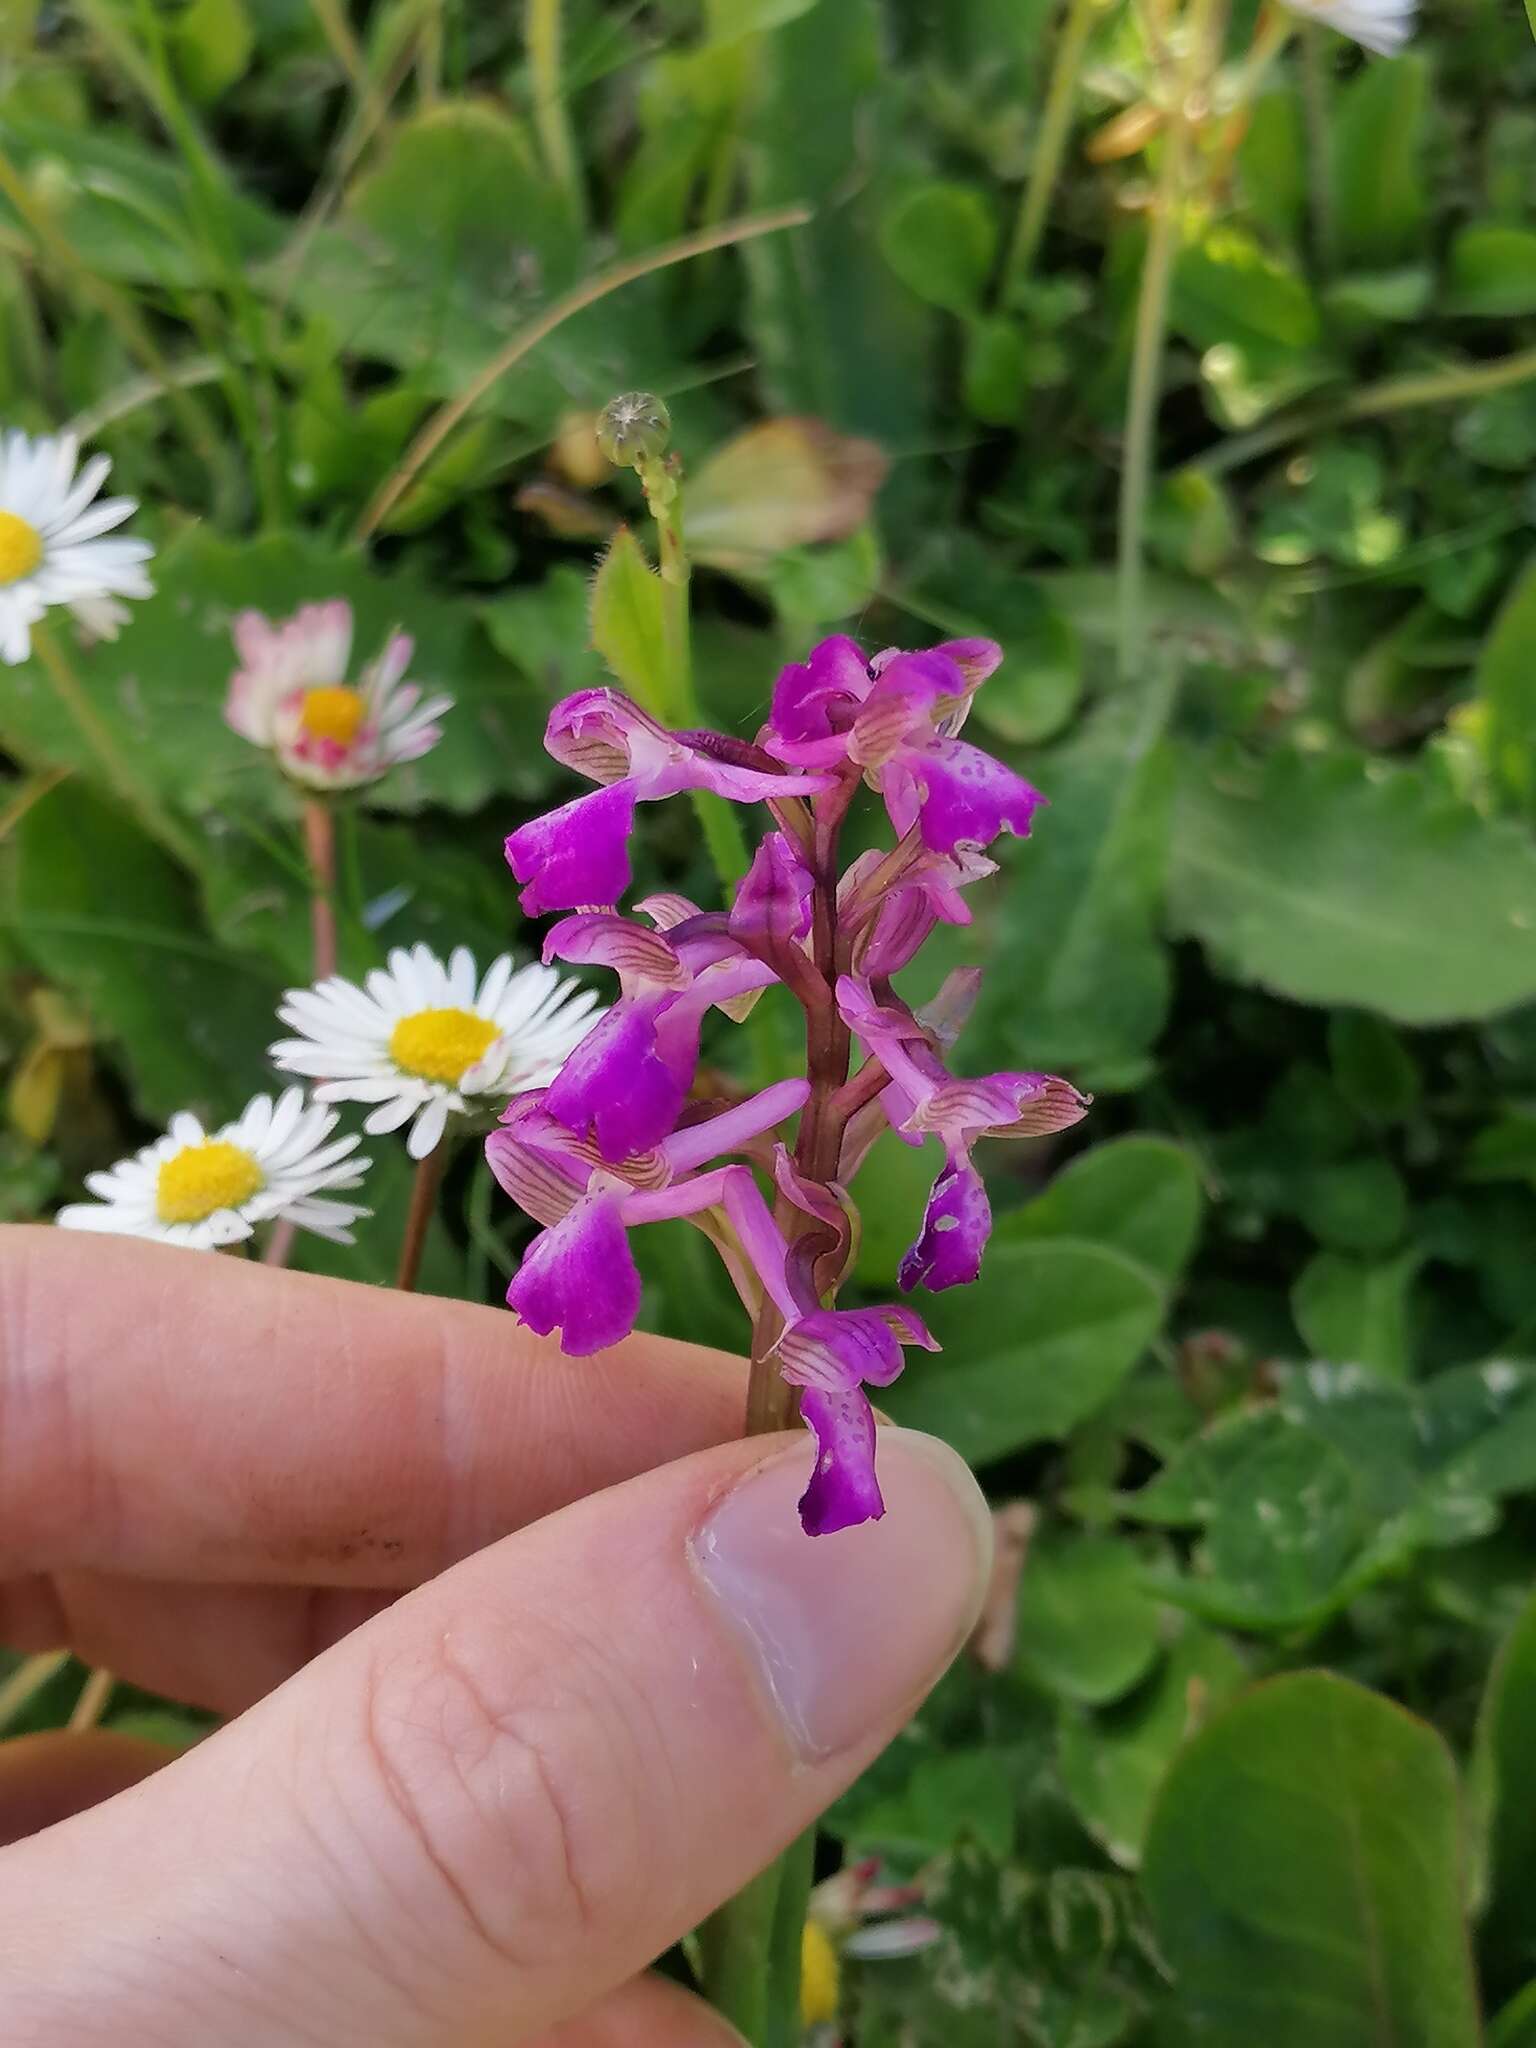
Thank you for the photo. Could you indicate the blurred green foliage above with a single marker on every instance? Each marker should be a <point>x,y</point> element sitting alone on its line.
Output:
<point>1259,1340</point>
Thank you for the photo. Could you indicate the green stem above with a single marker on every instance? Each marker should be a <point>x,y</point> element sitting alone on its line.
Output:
<point>1151,331</point>
<point>1050,146</point>
<point>545,35</point>
<point>749,1950</point>
<point>717,820</point>
<point>1315,98</point>
<point>111,757</point>
<point>22,1687</point>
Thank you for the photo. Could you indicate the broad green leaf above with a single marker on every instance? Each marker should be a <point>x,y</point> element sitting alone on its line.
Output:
<point>1088,1629</point>
<point>824,130</point>
<point>948,1799</point>
<point>129,212</point>
<point>1356,1312</point>
<point>1505,1779</point>
<point>1304,1869</point>
<point>1378,134</point>
<point>1034,1347</point>
<point>1139,1195</point>
<point>159,688</point>
<point>627,628</point>
<point>1506,687</point>
<point>1228,288</point>
<point>545,630</point>
<point>1113,1761</point>
<point>892,1192</point>
<point>1491,273</point>
<point>1374,1070</point>
<point>1354,1205</point>
<point>100,910</point>
<point>941,241</point>
<point>965,590</point>
<point>1284,1528</point>
<point>1331,880</point>
<point>1086,987</point>
<point>1184,1493</point>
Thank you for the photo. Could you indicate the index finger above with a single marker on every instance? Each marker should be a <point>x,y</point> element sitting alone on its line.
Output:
<point>179,1415</point>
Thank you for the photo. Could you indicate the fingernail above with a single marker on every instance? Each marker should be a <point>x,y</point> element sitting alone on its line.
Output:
<point>847,1632</point>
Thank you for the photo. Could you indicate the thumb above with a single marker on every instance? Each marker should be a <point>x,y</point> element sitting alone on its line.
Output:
<point>496,1801</point>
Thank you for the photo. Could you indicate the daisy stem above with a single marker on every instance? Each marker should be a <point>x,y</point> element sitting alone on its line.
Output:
<point>429,1174</point>
<point>95,1695</point>
<point>26,1682</point>
<point>1050,147</point>
<point>1315,96</point>
<point>320,850</point>
<point>110,756</point>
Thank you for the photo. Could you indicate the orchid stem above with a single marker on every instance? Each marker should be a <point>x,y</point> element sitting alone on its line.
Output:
<point>418,1220</point>
<point>1050,147</point>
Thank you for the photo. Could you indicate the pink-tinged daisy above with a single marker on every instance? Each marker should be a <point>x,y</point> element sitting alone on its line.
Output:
<point>291,695</point>
<point>427,1039</point>
<point>51,550</point>
<point>277,1162</point>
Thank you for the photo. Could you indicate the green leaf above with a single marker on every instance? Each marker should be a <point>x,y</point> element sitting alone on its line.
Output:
<point>941,241</point>
<point>1140,1195</point>
<point>1491,273</point>
<point>1285,1525</point>
<point>1040,1342</point>
<point>995,378</point>
<point>100,910</point>
<point>1114,1761</point>
<point>1304,1872</point>
<point>947,1800</point>
<point>1088,1628</point>
<point>1506,688</point>
<point>1375,1072</point>
<point>1228,288</point>
<point>1505,1775</point>
<point>1514,2025</point>
<point>1357,1312</point>
<point>1336,881</point>
<point>1087,981</point>
<point>1380,202</point>
<point>1354,1205</point>
<point>967,590</point>
<point>627,628</point>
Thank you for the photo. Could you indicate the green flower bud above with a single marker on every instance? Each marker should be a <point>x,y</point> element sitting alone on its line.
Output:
<point>633,429</point>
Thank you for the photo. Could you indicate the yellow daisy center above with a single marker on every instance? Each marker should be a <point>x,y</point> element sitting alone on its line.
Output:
<point>200,1179</point>
<point>332,711</point>
<point>818,1976</point>
<point>21,548</point>
<point>440,1045</point>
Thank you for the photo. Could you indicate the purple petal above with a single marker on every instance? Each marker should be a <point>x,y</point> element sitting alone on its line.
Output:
<point>534,1181</point>
<point>576,855</point>
<point>956,1226</point>
<point>843,1490</point>
<point>773,904</point>
<point>842,1347</point>
<point>964,796</point>
<point>911,699</point>
<point>579,1279</point>
<point>814,702</point>
<point>642,958</point>
<point>733,1128</point>
<point>605,736</point>
<point>1011,1105</point>
<point>617,1087</point>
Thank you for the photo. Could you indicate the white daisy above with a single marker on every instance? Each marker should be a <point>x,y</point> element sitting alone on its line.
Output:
<point>276,1160</point>
<point>50,550</point>
<point>292,696</point>
<point>423,1040</point>
<point>1380,25</point>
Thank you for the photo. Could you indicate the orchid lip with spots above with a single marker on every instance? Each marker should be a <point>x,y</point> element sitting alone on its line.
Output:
<point>617,1136</point>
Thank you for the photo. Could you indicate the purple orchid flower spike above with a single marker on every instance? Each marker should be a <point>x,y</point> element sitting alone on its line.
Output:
<point>615,1141</point>
<point>579,854</point>
<point>579,1276</point>
<point>921,1098</point>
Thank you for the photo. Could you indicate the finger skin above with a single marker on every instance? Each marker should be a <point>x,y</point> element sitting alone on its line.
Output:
<point>495,1802</point>
<point>649,2013</point>
<point>171,1414</point>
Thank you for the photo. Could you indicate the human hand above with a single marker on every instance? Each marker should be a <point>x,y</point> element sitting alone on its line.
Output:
<point>468,1815</point>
